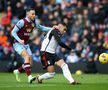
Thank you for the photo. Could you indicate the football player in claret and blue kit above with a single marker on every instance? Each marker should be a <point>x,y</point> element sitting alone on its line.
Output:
<point>21,33</point>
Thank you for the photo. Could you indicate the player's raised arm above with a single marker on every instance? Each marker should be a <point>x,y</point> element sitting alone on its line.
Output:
<point>41,27</point>
<point>17,27</point>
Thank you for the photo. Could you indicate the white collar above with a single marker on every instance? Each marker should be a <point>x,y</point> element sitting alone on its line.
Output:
<point>27,19</point>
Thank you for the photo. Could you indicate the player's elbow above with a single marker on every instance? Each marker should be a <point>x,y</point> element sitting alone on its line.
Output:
<point>60,43</point>
<point>12,32</point>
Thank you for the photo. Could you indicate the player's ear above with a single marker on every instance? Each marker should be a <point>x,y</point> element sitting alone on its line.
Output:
<point>65,28</point>
<point>27,13</point>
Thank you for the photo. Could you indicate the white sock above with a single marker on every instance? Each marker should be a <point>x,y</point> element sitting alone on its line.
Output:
<point>46,76</point>
<point>67,73</point>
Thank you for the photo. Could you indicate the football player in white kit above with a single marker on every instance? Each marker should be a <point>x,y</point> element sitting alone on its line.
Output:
<point>49,58</point>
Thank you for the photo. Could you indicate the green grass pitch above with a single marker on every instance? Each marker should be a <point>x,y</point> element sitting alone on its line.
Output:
<point>89,82</point>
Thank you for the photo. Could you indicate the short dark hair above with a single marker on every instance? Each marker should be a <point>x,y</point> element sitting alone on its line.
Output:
<point>29,9</point>
<point>63,23</point>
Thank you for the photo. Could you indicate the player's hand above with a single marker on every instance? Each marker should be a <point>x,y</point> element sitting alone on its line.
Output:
<point>55,27</point>
<point>21,41</point>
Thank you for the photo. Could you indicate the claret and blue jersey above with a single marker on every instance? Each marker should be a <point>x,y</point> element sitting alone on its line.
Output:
<point>22,31</point>
<point>24,27</point>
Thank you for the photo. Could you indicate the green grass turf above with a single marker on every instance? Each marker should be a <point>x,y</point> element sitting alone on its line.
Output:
<point>89,82</point>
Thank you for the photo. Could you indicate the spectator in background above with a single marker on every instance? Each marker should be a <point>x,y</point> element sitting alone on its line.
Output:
<point>38,8</point>
<point>105,44</point>
<point>6,20</point>
<point>14,20</point>
<point>72,58</point>
<point>1,53</point>
<point>93,31</point>
<point>76,28</point>
<point>62,52</point>
<point>97,15</point>
<point>73,40</point>
<point>28,3</point>
<point>13,6</point>
<point>99,49</point>
<point>45,16</point>
<point>3,39</point>
<point>20,12</point>
<point>104,7</point>
<point>6,47</point>
<point>78,49</point>
<point>1,5</point>
<point>35,48</point>
<point>86,35</point>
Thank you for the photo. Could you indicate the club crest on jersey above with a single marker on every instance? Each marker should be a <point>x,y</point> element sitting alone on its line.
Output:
<point>33,25</point>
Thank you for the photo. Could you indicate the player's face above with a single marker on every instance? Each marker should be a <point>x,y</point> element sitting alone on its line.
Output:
<point>31,15</point>
<point>62,28</point>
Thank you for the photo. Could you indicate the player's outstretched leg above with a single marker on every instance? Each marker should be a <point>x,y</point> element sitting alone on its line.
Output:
<point>67,74</point>
<point>47,75</point>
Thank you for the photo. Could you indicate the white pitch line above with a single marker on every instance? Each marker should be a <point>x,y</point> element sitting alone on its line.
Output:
<point>7,86</point>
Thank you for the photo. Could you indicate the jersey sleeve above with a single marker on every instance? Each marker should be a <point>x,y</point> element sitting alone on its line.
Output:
<point>17,27</point>
<point>20,24</point>
<point>41,27</point>
<point>57,36</point>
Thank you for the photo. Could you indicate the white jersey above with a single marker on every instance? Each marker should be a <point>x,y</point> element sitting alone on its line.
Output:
<point>49,43</point>
<point>51,40</point>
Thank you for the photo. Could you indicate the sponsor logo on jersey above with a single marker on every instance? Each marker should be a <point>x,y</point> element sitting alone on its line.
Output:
<point>28,30</point>
<point>27,34</point>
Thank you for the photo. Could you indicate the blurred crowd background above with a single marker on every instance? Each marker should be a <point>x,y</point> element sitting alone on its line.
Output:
<point>86,20</point>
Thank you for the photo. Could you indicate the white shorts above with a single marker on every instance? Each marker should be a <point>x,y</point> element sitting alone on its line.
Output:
<point>20,47</point>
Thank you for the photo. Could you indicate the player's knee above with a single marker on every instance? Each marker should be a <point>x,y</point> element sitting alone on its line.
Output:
<point>31,63</point>
<point>64,66</point>
<point>27,58</point>
<point>60,62</point>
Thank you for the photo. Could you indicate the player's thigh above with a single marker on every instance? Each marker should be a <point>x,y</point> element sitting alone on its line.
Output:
<point>46,60</point>
<point>58,60</point>
<point>19,48</point>
<point>28,50</point>
<point>30,54</point>
<point>25,54</point>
